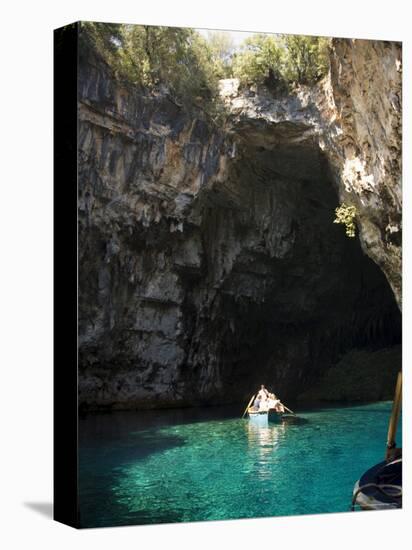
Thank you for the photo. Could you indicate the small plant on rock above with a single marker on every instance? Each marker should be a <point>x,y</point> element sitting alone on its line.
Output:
<point>345,214</point>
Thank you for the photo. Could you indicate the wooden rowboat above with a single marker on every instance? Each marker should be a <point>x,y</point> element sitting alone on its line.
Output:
<point>270,415</point>
<point>380,487</point>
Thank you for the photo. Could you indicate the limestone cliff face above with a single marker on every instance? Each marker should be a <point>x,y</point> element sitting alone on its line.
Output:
<point>208,260</point>
<point>366,86</point>
<point>355,116</point>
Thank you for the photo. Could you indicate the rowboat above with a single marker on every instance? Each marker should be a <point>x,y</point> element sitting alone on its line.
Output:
<point>264,416</point>
<point>380,487</point>
<point>275,413</point>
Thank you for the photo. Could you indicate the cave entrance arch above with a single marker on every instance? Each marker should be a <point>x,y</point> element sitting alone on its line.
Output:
<point>284,293</point>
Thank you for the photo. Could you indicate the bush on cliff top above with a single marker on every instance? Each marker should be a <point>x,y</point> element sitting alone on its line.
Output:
<point>222,48</point>
<point>177,58</point>
<point>190,65</point>
<point>307,58</point>
<point>282,60</point>
<point>259,60</point>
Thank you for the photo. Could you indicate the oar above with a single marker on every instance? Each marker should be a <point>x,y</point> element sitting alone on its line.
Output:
<point>393,422</point>
<point>248,405</point>
<point>285,407</point>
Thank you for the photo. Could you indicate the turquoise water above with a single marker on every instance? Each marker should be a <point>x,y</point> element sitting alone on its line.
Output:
<point>208,464</point>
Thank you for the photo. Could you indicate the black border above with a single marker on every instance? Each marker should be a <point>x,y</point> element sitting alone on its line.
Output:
<point>65,427</point>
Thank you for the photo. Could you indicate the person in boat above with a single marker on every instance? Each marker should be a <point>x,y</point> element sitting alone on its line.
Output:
<point>278,405</point>
<point>263,393</point>
<point>261,402</point>
<point>275,403</point>
<point>264,404</point>
<point>272,401</point>
<point>261,399</point>
<point>256,403</point>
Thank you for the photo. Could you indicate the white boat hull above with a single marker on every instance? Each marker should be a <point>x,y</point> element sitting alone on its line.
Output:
<point>264,416</point>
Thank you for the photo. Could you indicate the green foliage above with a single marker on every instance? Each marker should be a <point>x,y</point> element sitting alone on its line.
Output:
<point>306,58</point>
<point>177,58</point>
<point>285,59</point>
<point>259,59</point>
<point>345,215</point>
<point>104,38</point>
<point>190,66</point>
<point>221,47</point>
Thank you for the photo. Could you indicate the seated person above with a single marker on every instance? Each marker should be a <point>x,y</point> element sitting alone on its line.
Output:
<point>264,404</point>
<point>274,403</point>
<point>263,393</point>
<point>256,403</point>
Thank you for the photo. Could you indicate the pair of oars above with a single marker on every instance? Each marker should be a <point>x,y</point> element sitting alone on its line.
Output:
<point>253,397</point>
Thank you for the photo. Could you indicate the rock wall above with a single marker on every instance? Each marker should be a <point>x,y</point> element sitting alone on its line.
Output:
<point>208,260</point>
<point>366,86</point>
<point>361,375</point>
<point>355,115</point>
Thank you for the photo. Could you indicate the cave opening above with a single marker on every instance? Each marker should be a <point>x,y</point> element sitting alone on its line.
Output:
<point>196,293</point>
<point>285,294</point>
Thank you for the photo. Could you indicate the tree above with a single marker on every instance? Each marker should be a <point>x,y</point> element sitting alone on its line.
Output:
<point>190,66</point>
<point>221,47</point>
<point>286,59</point>
<point>259,59</point>
<point>103,38</point>
<point>306,58</point>
<point>177,58</point>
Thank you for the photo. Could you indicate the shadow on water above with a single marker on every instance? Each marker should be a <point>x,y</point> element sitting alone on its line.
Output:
<point>295,420</point>
<point>103,463</point>
<point>117,423</point>
<point>325,406</point>
<point>137,445</point>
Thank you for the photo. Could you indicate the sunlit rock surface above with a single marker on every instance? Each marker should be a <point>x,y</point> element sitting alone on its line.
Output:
<point>208,257</point>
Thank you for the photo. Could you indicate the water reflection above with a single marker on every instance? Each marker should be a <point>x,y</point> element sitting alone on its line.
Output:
<point>263,439</point>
